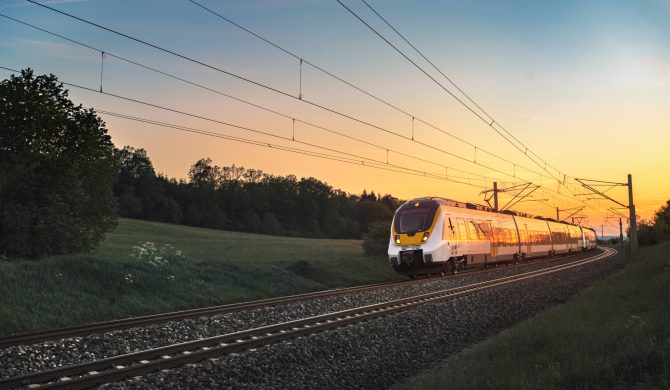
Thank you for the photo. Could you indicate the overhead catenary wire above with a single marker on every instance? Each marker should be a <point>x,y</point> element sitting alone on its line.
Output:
<point>286,94</point>
<point>490,122</point>
<point>358,160</point>
<point>273,146</point>
<point>350,156</point>
<point>356,87</point>
<point>287,116</point>
<point>523,149</point>
<point>258,84</point>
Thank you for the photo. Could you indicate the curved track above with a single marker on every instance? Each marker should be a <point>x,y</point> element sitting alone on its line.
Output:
<point>126,323</point>
<point>119,367</point>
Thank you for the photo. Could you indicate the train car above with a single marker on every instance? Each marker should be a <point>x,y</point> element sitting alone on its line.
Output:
<point>590,241</point>
<point>437,235</point>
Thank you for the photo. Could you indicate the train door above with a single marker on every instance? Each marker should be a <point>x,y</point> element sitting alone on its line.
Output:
<point>494,240</point>
<point>450,234</point>
<point>463,242</point>
<point>525,239</point>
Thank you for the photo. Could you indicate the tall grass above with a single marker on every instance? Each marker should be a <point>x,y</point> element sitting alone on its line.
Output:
<point>615,335</point>
<point>200,267</point>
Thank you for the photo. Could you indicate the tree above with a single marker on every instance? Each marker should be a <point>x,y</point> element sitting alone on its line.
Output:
<point>57,168</point>
<point>205,175</point>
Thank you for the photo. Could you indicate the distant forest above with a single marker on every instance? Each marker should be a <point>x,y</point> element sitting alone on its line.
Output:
<point>245,200</point>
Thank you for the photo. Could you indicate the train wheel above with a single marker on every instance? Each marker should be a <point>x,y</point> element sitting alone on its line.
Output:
<point>451,267</point>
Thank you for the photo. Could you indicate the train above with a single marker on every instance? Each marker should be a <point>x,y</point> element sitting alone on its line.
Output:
<point>433,235</point>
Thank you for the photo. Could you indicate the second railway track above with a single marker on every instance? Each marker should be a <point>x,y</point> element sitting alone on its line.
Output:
<point>118,367</point>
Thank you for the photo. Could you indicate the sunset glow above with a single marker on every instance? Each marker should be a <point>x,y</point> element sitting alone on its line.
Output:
<point>584,85</point>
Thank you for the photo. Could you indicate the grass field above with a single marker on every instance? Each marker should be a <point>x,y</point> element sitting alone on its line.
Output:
<point>615,335</point>
<point>216,267</point>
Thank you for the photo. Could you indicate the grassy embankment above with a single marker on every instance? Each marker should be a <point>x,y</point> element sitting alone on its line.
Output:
<point>615,335</point>
<point>217,267</point>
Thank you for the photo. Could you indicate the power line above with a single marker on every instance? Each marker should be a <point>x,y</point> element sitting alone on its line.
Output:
<point>277,90</point>
<point>354,86</point>
<point>358,160</point>
<point>265,133</point>
<point>270,88</point>
<point>490,124</point>
<point>270,145</point>
<point>429,61</point>
<point>523,149</point>
<point>383,148</point>
<point>290,53</point>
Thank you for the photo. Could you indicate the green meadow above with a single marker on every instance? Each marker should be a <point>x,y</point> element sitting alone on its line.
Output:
<point>200,267</point>
<point>614,335</point>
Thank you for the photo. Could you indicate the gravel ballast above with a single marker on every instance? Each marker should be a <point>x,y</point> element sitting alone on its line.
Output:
<point>247,366</point>
<point>378,353</point>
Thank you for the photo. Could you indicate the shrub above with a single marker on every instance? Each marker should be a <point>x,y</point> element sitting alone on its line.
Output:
<point>376,241</point>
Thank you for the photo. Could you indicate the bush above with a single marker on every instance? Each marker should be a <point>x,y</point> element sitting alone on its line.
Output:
<point>376,241</point>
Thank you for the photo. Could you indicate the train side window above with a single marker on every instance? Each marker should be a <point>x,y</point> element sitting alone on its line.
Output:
<point>463,231</point>
<point>483,230</point>
<point>473,234</point>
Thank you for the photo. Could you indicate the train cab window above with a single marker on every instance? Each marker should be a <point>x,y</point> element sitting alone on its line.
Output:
<point>414,219</point>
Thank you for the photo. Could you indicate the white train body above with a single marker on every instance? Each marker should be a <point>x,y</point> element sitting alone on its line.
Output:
<point>432,235</point>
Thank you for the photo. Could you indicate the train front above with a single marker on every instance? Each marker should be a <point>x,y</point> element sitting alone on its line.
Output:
<point>416,246</point>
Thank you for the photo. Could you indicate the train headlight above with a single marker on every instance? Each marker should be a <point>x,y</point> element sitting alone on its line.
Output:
<point>397,239</point>
<point>425,236</point>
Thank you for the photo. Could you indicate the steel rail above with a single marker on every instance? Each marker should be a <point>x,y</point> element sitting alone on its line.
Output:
<point>132,322</point>
<point>115,368</point>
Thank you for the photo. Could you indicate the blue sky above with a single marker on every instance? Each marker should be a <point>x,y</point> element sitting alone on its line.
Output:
<point>585,84</point>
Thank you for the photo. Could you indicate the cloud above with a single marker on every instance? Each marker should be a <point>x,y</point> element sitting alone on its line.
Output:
<point>45,2</point>
<point>57,50</point>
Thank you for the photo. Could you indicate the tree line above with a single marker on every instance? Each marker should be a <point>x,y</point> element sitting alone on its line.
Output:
<point>245,200</point>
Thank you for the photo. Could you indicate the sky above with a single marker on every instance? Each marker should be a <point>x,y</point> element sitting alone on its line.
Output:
<point>583,86</point>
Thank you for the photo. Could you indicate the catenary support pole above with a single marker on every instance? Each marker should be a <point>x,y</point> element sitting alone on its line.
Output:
<point>495,195</point>
<point>621,232</point>
<point>633,222</point>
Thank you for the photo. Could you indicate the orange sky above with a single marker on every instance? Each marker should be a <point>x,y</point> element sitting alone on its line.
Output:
<point>585,94</point>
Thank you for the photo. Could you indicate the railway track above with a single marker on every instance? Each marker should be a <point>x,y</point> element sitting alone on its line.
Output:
<point>126,323</point>
<point>139,363</point>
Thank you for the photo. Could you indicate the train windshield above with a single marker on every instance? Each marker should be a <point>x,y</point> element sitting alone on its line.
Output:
<point>414,219</point>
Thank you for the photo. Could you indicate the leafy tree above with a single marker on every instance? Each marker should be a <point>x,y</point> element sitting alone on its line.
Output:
<point>57,168</point>
<point>205,175</point>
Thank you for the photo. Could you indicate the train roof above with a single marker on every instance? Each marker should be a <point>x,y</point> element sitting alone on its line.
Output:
<point>475,206</point>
